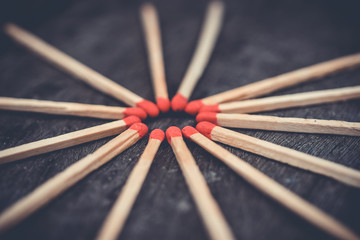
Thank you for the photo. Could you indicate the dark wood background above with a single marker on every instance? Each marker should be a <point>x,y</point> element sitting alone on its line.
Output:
<point>259,39</point>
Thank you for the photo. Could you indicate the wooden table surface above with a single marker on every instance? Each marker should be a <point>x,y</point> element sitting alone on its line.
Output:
<point>259,39</point>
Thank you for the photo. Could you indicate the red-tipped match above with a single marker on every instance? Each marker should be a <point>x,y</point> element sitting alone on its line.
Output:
<point>188,131</point>
<point>163,104</point>
<point>139,112</point>
<point>141,128</point>
<point>178,103</point>
<point>207,116</point>
<point>150,108</point>
<point>205,128</point>
<point>172,132</point>
<point>210,108</point>
<point>131,120</point>
<point>157,134</point>
<point>193,107</point>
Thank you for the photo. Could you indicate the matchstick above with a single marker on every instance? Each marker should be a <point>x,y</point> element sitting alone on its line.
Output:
<point>281,123</point>
<point>206,43</point>
<point>69,108</point>
<point>66,140</point>
<point>152,33</point>
<point>71,175</point>
<point>282,81</point>
<point>271,188</point>
<point>285,101</point>
<point>115,221</point>
<point>210,212</point>
<point>78,70</point>
<point>282,154</point>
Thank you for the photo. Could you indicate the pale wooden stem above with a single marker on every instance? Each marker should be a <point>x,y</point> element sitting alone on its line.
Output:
<point>70,65</point>
<point>274,190</point>
<point>210,212</point>
<point>288,124</point>
<point>285,80</point>
<point>115,221</point>
<point>152,32</point>
<point>65,179</point>
<point>62,141</point>
<point>286,155</point>
<point>61,108</point>
<point>291,100</point>
<point>206,43</point>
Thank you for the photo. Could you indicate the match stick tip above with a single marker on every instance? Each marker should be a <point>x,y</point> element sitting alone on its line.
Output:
<point>131,120</point>
<point>193,107</point>
<point>205,128</point>
<point>150,108</point>
<point>139,112</point>
<point>163,104</point>
<point>141,128</point>
<point>207,116</point>
<point>188,131</point>
<point>157,134</point>
<point>172,132</point>
<point>210,108</point>
<point>178,103</point>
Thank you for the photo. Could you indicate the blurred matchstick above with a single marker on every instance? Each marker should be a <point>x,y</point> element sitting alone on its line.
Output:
<point>71,175</point>
<point>78,70</point>
<point>282,154</point>
<point>115,220</point>
<point>66,140</point>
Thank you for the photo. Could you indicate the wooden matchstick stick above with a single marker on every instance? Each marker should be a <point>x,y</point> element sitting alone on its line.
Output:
<point>115,221</point>
<point>271,188</point>
<point>69,108</point>
<point>281,123</point>
<point>272,84</point>
<point>282,154</point>
<point>66,140</point>
<point>152,32</point>
<point>285,101</point>
<point>71,175</point>
<point>210,212</point>
<point>78,70</point>
<point>206,43</point>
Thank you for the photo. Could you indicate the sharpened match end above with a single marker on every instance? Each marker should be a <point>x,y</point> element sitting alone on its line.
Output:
<point>207,116</point>
<point>205,128</point>
<point>188,131</point>
<point>131,120</point>
<point>163,104</point>
<point>210,108</point>
<point>141,128</point>
<point>157,134</point>
<point>172,132</point>
<point>139,112</point>
<point>178,103</point>
<point>193,107</point>
<point>149,107</point>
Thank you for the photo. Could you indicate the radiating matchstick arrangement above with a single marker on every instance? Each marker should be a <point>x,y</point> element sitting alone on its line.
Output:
<point>224,109</point>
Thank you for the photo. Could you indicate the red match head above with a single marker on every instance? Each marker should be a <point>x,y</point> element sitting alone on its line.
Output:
<point>205,128</point>
<point>193,107</point>
<point>210,108</point>
<point>172,132</point>
<point>188,131</point>
<point>207,116</point>
<point>178,103</point>
<point>157,134</point>
<point>139,112</point>
<point>163,104</point>
<point>131,120</point>
<point>149,107</point>
<point>141,128</point>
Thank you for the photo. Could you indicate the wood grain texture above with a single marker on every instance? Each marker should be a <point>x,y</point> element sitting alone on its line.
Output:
<point>259,39</point>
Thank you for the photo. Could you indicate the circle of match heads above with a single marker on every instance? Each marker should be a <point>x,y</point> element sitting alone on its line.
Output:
<point>227,109</point>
